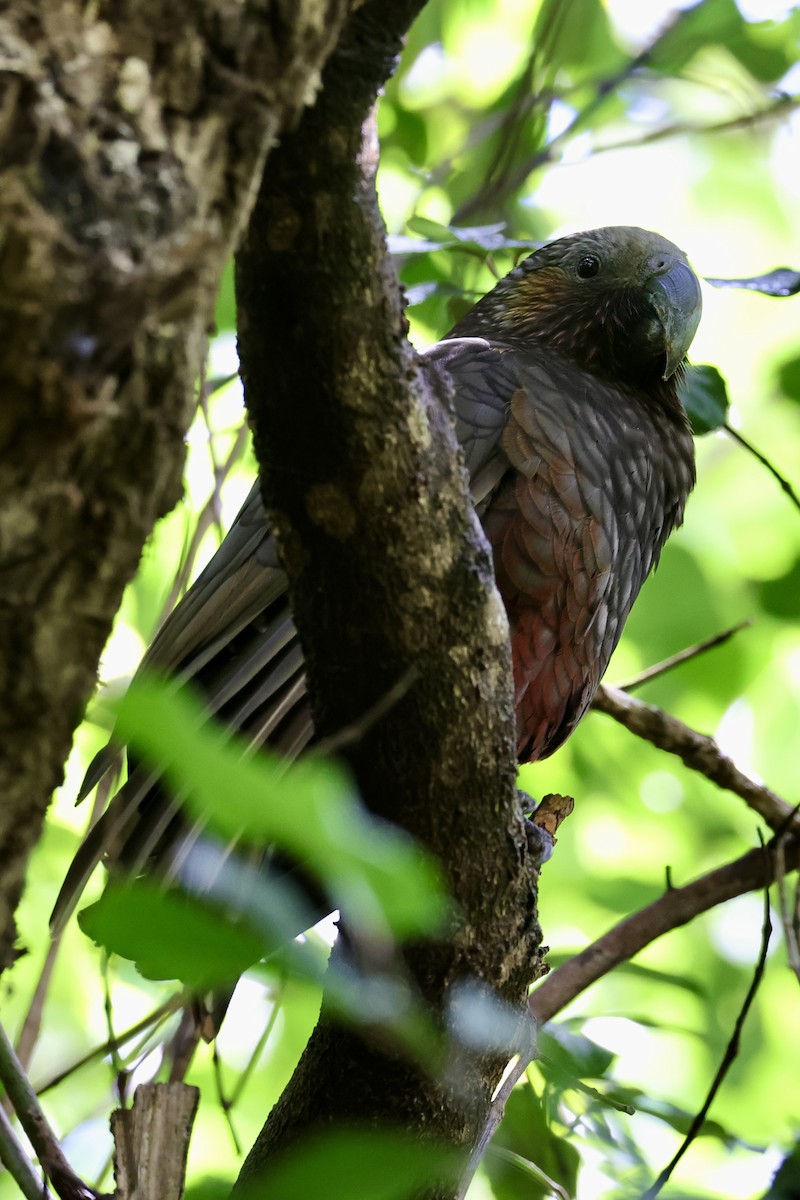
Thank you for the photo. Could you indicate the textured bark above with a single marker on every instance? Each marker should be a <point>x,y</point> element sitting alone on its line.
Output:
<point>389,572</point>
<point>133,137</point>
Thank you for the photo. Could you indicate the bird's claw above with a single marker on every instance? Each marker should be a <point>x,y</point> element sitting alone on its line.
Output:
<point>541,825</point>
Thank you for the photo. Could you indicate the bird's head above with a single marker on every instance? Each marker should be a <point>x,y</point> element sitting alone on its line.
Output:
<point>619,301</point>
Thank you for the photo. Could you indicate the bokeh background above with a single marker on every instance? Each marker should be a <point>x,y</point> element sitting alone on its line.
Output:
<point>522,121</point>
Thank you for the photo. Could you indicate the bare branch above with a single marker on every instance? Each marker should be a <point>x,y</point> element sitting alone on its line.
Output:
<point>678,906</point>
<point>781,106</point>
<point>30,1116</point>
<point>17,1163</point>
<point>682,656</point>
<point>29,1033</point>
<point>698,751</point>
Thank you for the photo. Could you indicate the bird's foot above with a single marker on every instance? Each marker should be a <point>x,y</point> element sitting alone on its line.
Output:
<point>542,821</point>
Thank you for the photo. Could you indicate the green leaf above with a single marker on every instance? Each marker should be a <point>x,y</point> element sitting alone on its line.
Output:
<point>704,395</point>
<point>526,1132</point>
<point>171,936</point>
<point>572,1055</point>
<point>580,39</point>
<point>710,22</point>
<point>225,310</point>
<point>373,871</point>
<point>789,378</point>
<point>778,597</point>
<point>346,1163</point>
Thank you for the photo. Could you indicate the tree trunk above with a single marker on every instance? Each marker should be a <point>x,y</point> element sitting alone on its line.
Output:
<point>391,579</point>
<point>134,136</point>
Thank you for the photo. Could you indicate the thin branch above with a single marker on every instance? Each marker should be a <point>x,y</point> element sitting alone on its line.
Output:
<point>496,187</point>
<point>32,1024</point>
<point>244,1076</point>
<point>780,107</point>
<point>676,907</point>
<point>217,468</point>
<point>698,751</point>
<point>682,656</point>
<point>151,1141</point>
<point>174,1004</point>
<point>728,1058</point>
<point>783,483</point>
<point>17,1163</point>
<point>224,1102</point>
<point>32,1119</point>
<point>756,869</point>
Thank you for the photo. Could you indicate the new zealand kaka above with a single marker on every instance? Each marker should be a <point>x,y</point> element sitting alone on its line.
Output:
<point>564,380</point>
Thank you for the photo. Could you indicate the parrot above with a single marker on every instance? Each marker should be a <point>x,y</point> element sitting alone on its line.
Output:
<point>564,382</point>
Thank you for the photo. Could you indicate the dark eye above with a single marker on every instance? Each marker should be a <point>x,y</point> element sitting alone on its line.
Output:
<point>588,266</point>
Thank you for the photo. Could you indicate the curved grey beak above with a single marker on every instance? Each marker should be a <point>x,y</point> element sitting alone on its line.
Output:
<point>675,295</point>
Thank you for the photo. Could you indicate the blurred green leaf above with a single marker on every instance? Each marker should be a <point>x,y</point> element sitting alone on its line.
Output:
<point>210,1187</point>
<point>527,1131</point>
<point>573,1056</point>
<point>577,35</point>
<point>705,397</point>
<point>789,378</point>
<point>679,1119</point>
<point>685,982</point>
<point>346,1163</point>
<point>373,871</point>
<point>709,22</point>
<point>433,236</point>
<point>781,597</point>
<point>171,936</point>
<point>225,311</point>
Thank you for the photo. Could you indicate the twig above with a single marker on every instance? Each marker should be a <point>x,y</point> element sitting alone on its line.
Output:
<point>216,468</point>
<point>682,656</point>
<point>17,1163</point>
<point>31,1026</point>
<point>30,1116</point>
<point>756,869</point>
<point>244,1076</point>
<point>158,1014</point>
<point>674,908</point>
<point>781,106</point>
<point>699,752</point>
<point>730,1055</point>
<point>496,186</point>
<point>783,483</point>
<point>225,1104</point>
